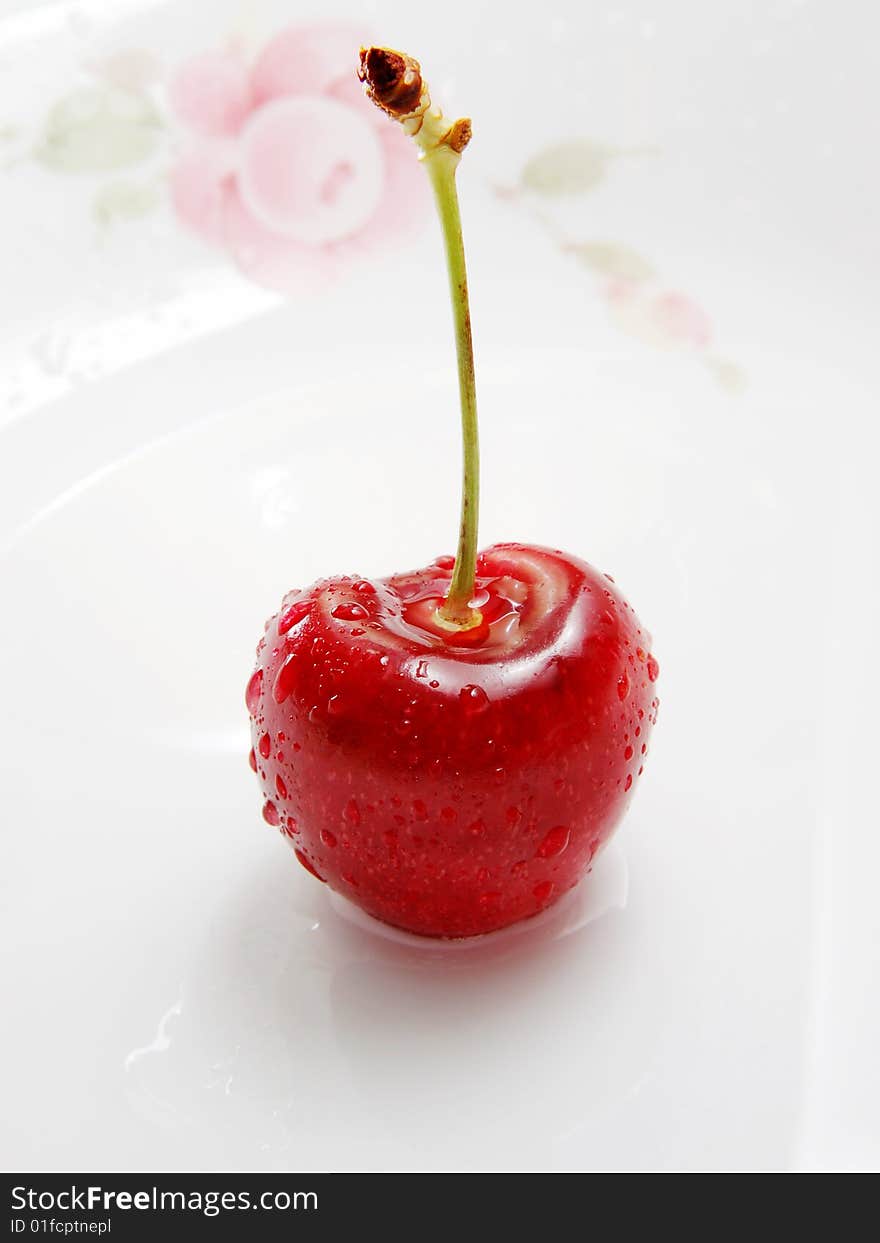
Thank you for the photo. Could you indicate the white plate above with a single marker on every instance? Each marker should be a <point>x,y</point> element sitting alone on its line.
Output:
<point>179,994</point>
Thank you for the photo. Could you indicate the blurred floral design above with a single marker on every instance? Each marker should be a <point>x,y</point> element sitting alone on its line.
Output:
<point>288,168</point>
<point>110,129</point>
<point>638,300</point>
<point>99,129</point>
<point>573,167</point>
<point>278,161</point>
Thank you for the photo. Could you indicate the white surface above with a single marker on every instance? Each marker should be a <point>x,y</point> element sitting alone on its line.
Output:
<point>183,447</point>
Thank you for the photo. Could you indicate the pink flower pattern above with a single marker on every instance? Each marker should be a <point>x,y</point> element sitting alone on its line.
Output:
<point>289,169</point>
<point>662,318</point>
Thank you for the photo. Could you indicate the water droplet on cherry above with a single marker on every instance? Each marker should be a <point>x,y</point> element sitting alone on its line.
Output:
<point>328,838</point>
<point>352,812</point>
<point>270,814</point>
<point>307,865</point>
<point>543,890</point>
<point>653,668</point>
<point>628,782</point>
<point>265,746</point>
<point>292,614</point>
<point>623,686</point>
<point>253,692</point>
<point>280,786</point>
<point>554,842</point>
<point>285,679</point>
<point>474,698</point>
<point>252,759</point>
<point>350,612</point>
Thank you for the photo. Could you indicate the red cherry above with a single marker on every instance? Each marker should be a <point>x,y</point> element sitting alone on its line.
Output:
<point>451,788</point>
<point>459,754</point>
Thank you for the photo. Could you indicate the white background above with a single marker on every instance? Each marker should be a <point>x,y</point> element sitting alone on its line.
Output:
<point>180,446</point>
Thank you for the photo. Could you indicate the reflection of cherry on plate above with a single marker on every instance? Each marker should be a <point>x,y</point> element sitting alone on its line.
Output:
<point>449,748</point>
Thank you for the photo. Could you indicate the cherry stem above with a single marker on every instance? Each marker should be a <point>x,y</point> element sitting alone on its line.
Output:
<point>393,81</point>
<point>441,165</point>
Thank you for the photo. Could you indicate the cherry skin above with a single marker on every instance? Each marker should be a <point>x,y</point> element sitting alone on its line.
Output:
<point>453,783</point>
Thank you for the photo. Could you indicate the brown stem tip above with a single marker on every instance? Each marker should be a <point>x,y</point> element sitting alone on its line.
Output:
<point>392,80</point>
<point>459,135</point>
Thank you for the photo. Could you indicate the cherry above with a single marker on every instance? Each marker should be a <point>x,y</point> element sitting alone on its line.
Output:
<point>450,747</point>
<point>453,789</point>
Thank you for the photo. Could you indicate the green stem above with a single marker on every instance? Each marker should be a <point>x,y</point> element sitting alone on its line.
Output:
<point>441,164</point>
<point>394,82</point>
